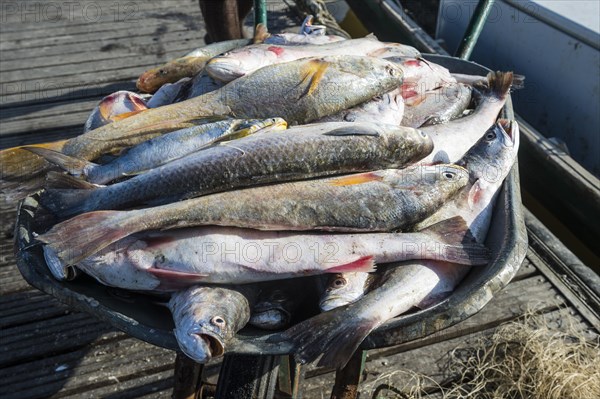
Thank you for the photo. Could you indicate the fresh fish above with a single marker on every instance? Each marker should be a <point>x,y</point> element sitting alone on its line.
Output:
<point>299,153</point>
<point>336,334</point>
<point>187,66</point>
<point>299,92</point>
<point>345,288</point>
<point>240,62</point>
<point>436,106</point>
<point>383,200</point>
<point>453,139</point>
<point>227,255</point>
<point>387,108</point>
<point>207,318</point>
<point>114,107</point>
<point>295,39</point>
<point>160,150</point>
<point>168,93</point>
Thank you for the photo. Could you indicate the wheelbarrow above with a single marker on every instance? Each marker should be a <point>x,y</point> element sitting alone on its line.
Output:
<point>251,363</point>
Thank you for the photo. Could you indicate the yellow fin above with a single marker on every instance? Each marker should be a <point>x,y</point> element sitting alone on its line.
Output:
<point>313,73</point>
<point>356,179</point>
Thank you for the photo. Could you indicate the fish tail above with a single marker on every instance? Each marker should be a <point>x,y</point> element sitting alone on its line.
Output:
<point>74,166</point>
<point>498,83</point>
<point>458,244</point>
<point>81,236</point>
<point>68,202</point>
<point>332,334</point>
<point>56,179</point>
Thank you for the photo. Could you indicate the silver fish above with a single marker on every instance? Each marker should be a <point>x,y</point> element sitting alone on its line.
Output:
<point>207,318</point>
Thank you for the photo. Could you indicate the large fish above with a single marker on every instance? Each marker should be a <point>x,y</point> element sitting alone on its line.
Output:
<point>299,153</point>
<point>187,66</point>
<point>160,150</point>
<point>383,200</point>
<point>227,255</point>
<point>453,139</point>
<point>299,92</point>
<point>336,334</point>
<point>240,62</point>
<point>207,318</point>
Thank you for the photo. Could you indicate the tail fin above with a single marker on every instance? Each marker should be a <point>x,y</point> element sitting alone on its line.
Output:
<point>75,166</point>
<point>77,238</point>
<point>459,245</point>
<point>55,179</point>
<point>499,83</point>
<point>67,202</point>
<point>335,334</point>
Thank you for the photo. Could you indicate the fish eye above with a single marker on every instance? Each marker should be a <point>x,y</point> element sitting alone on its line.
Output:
<point>448,175</point>
<point>423,134</point>
<point>339,282</point>
<point>218,321</point>
<point>490,136</point>
<point>162,72</point>
<point>391,71</point>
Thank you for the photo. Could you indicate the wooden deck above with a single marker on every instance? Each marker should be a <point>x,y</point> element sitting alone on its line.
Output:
<point>52,72</point>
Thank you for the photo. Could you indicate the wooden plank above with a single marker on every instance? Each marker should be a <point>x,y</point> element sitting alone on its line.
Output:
<point>137,44</point>
<point>33,15</point>
<point>189,17</point>
<point>106,52</point>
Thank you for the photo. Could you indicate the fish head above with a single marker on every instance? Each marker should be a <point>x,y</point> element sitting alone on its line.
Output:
<point>343,288</point>
<point>492,157</point>
<point>272,312</point>
<point>406,142</point>
<point>450,178</point>
<point>240,62</point>
<point>153,79</point>
<point>206,318</point>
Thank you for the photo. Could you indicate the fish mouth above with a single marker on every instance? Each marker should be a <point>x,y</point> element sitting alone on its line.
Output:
<point>334,302</point>
<point>214,344</point>
<point>509,132</point>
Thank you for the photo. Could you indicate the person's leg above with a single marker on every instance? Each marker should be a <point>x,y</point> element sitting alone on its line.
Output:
<point>222,20</point>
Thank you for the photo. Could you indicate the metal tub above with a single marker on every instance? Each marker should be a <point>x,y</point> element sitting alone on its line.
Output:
<point>141,316</point>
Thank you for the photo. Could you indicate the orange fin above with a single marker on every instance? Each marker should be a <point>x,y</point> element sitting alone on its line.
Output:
<point>364,264</point>
<point>125,115</point>
<point>356,179</point>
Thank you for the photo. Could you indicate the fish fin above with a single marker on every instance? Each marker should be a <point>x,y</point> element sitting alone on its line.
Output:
<point>313,73</point>
<point>75,166</point>
<point>474,194</point>
<point>55,179</point>
<point>371,36</point>
<point>331,334</point>
<point>518,82</point>
<point>498,83</point>
<point>356,179</point>
<point>83,235</point>
<point>66,202</point>
<point>353,131</point>
<point>459,244</point>
<point>17,163</point>
<point>125,115</point>
<point>261,33</point>
<point>14,191</point>
<point>364,264</point>
<point>171,279</point>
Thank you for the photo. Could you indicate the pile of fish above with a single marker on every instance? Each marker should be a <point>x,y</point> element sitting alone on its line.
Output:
<point>266,181</point>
